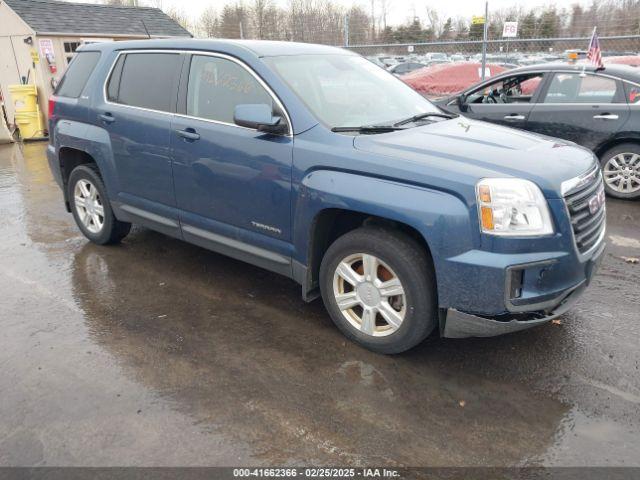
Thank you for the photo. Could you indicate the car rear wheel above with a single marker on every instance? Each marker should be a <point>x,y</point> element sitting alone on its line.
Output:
<point>621,171</point>
<point>91,207</point>
<point>378,286</point>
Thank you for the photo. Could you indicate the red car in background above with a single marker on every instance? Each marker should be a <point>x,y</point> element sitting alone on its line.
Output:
<point>449,78</point>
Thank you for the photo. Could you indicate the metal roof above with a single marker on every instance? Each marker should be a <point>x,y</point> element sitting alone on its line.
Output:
<point>56,17</point>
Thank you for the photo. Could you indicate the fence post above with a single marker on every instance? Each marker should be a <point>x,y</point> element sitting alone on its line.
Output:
<point>485,37</point>
<point>346,30</point>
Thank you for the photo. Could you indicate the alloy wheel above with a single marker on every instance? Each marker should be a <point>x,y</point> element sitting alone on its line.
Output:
<point>622,173</point>
<point>89,205</point>
<point>369,294</point>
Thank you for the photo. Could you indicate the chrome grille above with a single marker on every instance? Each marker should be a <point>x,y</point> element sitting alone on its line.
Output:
<point>587,212</point>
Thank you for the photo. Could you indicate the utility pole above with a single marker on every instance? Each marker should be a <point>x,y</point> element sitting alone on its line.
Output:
<point>485,38</point>
<point>346,29</point>
<point>241,31</point>
<point>373,21</point>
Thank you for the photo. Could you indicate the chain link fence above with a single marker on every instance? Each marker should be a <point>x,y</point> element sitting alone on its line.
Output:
<point>545,32</point>
<point>504,51</point>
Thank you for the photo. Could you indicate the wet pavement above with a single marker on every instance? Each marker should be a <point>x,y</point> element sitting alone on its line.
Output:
<point>156,352</point>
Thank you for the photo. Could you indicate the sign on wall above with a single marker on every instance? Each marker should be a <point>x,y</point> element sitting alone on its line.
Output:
<point>46,48</point>
<point>510,30</point>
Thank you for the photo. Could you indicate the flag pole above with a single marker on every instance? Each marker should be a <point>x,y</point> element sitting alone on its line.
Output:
<point>584,65</point>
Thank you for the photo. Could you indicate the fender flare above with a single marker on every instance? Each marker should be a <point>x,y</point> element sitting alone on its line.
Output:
<point>442,219</point>
<point>95,142</point>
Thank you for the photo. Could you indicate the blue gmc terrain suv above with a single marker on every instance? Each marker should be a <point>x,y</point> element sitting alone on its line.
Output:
<point>314,163</point>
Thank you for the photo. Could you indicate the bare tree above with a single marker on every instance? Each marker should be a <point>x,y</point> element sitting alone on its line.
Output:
<point>434,22</point>
<point>384,11</point>
<point>208,23</point>
<point>259,16</point>
<point>180,17</point>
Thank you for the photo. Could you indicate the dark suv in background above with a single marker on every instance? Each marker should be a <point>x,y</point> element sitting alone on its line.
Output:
<point>598,109</point>
<point>314,163</point>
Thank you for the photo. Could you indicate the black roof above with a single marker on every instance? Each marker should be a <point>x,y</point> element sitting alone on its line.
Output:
<point>49,17</point>
<point>625,72</point>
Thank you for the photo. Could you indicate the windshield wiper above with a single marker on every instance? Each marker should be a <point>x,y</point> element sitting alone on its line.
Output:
<point>368,129</point>
<point>421,116</point>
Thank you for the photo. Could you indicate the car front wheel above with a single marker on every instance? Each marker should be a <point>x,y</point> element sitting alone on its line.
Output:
<point>378,286</point>
<point>621,171</point>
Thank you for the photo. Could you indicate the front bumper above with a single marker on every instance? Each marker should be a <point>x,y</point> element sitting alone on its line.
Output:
<point>458,324</point>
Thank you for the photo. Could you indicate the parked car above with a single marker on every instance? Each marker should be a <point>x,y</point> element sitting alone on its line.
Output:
<point>404,68</point>
<point>405,219</point>
<point>376,61</point>
<point>631,60</point>
<point>457,57</point>
<point>435,57</point>
<point>446,79</point>
<point>598,109</point>
<point>388,61</point>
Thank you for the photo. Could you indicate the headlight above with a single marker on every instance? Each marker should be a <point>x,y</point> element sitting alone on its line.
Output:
<point>512,207</point>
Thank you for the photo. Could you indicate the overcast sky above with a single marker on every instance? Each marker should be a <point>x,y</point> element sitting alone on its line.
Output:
<point>399,10</point>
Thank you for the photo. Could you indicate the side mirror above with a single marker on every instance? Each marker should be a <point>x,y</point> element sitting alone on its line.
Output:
<point>462,102</point>
<point>259,117</point>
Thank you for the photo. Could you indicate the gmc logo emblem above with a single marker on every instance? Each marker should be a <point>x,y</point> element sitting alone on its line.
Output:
<point>596,202</point>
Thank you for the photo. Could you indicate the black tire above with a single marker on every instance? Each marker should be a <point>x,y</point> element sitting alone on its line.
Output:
<point>413,267</point>
<point>631,148</point>
<point>113,230</point>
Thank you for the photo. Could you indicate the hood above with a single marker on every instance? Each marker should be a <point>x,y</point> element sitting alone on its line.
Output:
<point>471,150</point>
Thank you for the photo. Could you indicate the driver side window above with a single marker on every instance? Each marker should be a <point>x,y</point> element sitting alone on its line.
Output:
<point>217,85</point>
<point>514,89</point>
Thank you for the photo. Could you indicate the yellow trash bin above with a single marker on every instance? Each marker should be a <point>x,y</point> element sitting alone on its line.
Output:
<point>30,125</point>
<point>25,98</point>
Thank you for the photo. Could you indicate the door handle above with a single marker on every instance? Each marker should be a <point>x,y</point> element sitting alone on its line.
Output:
<point>189,134</point>
<point>514,117</point>
<point>606,116</point>
<point>107,117</point>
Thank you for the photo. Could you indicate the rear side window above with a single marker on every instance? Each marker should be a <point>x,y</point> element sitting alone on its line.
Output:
<point>578,88</point>
<point>148,80</point>
<point>77,74</point>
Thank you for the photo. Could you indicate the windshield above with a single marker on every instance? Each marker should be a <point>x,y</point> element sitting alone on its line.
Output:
<point>348,90</point>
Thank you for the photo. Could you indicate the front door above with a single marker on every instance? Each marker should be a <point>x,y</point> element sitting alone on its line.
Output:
<point>584,108</point>
<point>506,101</point>
<point>233,184</point>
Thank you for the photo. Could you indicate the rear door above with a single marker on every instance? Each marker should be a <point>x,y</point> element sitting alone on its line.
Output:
<point>140,99</point>
<point>585,108</point>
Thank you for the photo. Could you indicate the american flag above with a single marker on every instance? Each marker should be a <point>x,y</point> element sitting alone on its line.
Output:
<point>595,53</point>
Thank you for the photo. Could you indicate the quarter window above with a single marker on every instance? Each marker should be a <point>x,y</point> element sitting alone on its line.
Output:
<point>633,94</point>
<point>114,80</point>
<point>217,85</point>
<point>580,88</point>
<point>148,80</point>
<point>77,74</point>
